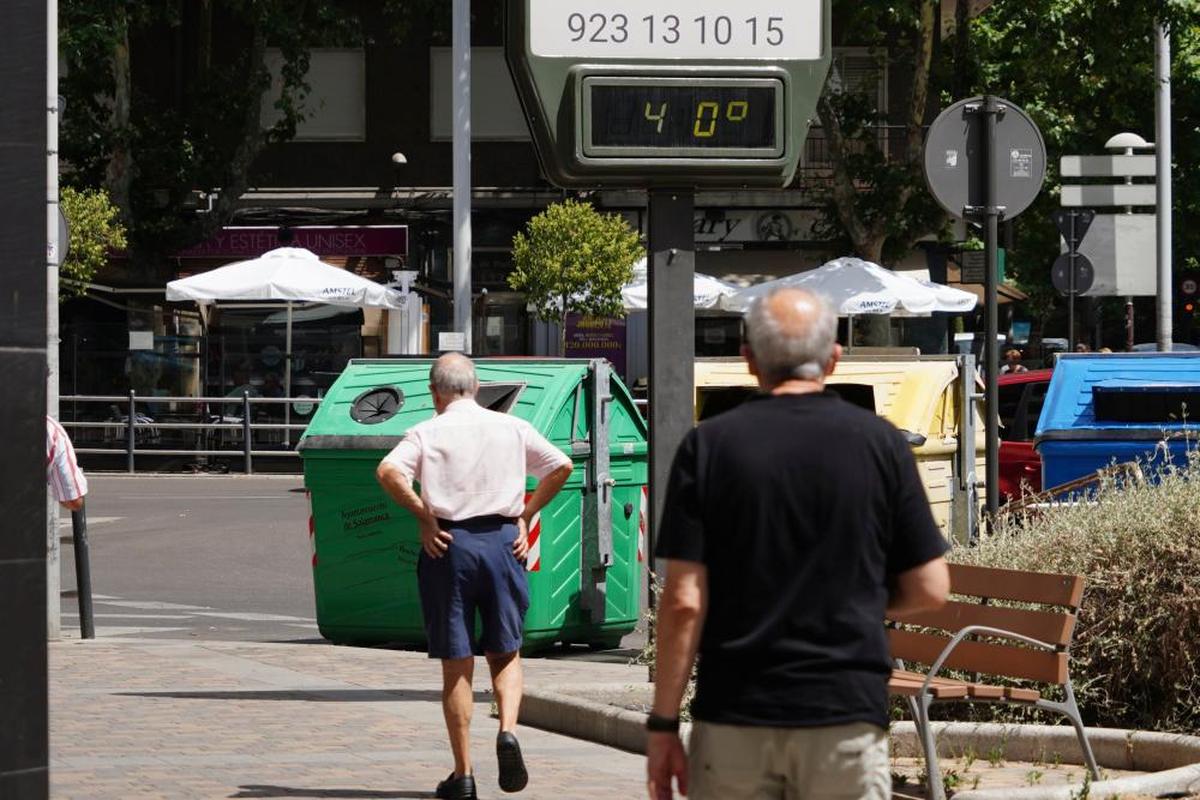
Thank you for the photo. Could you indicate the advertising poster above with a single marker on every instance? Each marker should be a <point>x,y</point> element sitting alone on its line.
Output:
<point>596,337</point>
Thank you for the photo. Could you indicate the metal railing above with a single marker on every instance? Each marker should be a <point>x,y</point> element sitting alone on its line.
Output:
<point>141,434</point>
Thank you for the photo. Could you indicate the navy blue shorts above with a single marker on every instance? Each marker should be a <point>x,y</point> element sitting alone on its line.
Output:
<point>479,573</point>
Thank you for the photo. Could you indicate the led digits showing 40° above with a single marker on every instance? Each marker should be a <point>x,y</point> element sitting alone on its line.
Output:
<point>708,113</point>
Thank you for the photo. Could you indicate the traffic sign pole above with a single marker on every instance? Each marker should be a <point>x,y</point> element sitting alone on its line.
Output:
<point>992,110</point>
<point>1071,287</point>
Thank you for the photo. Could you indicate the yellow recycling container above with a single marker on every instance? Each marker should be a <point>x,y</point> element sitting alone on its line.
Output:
<point>922,396</point>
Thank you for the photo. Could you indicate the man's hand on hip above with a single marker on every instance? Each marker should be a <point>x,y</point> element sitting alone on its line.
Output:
<point>521,544</point>
<point>434,540</point>
<point>665,759</point>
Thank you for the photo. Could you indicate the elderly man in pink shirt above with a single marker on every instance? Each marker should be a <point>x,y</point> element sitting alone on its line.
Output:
<point>472,464</point>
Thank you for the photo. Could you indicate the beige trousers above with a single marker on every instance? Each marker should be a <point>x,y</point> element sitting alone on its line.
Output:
<point>842,762</point>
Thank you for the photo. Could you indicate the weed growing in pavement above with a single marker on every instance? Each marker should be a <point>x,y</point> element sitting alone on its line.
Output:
<point>995,756</point>
<point>968,757</point>
<point>950,781</point>
<point>1034,777</point>
<point>1138,546</point>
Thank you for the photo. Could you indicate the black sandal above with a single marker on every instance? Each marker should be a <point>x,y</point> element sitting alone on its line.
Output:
<point>513,775</point>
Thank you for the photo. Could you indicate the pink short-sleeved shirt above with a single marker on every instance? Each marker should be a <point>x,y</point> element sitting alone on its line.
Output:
<point>473,462</point>
<point>62,470</point>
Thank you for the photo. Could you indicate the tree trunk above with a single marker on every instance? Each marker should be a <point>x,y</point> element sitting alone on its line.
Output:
<point>254,139</point>
<point>120,171</point>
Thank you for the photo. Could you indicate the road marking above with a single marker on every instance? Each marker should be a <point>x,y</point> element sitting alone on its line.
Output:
<point>153,605</point>
<point>65,522</point>
<point>131,616</point>
<point>252,617</point>
<point>131,630</point>
<point>190,498</point>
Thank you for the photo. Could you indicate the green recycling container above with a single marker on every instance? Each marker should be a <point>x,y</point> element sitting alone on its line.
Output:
<point>586,559</point>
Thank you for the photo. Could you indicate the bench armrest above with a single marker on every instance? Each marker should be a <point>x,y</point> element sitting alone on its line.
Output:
<point>969,631</point>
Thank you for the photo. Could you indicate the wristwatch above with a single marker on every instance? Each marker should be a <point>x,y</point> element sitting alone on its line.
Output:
<point>659,724</point>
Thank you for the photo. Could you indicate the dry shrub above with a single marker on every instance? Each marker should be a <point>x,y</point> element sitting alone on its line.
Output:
<point>1136,655</point>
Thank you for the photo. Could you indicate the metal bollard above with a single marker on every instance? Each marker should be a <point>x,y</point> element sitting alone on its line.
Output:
<point>83,573</point>
<point>246,444</point>
<point>131,432</point>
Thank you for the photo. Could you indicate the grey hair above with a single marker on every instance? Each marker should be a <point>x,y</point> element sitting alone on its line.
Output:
<point>453,375</point>
<point>784,355</point>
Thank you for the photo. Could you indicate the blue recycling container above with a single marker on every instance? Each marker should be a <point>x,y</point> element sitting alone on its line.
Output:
<point>1111,408</point>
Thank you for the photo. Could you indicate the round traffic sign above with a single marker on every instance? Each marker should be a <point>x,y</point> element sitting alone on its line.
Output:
<point>956,162</point>
<point>1189,287</point>
<point>1085,274</point>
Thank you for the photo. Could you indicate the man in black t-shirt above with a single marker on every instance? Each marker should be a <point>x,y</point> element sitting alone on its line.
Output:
<point>792,523</point>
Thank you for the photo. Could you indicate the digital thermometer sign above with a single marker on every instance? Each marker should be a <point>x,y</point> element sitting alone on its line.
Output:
<point>648,117</point>
<point>642,93</point>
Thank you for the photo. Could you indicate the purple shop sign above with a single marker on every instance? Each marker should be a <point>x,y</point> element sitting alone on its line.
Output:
<point>596,337</point>
<point>326,241</point>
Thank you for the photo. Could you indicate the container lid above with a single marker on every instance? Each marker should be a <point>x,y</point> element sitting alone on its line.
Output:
<point>1121,396</point>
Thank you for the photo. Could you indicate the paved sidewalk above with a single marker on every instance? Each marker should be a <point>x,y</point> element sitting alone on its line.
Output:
<point>191,719</point>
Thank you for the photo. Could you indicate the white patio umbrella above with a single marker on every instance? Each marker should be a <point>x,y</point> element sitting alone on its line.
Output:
<point>707,291</point>
<point>290,275</point>
<point>856,287</point>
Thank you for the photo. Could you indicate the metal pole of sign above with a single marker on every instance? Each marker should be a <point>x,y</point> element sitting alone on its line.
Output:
<point>461,58</point>
<point>992,110</point>
<point>1072,248</point>
<point>1162,76</point>
<point>83,573</point>
<point>672,344</point>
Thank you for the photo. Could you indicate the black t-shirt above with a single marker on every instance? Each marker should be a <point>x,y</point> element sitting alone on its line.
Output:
<point>803,508</point>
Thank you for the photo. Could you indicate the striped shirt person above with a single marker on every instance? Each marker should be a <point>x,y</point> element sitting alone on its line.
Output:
<point>63,474</point>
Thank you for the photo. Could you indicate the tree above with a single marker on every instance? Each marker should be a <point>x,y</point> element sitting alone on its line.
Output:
<point>1082,68</point>
<point>876,198</point>
<point>573,259</point>
<point>95,230</point>
<point>192,119</point>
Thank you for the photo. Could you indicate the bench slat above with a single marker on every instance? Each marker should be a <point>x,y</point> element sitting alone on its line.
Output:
<point>908,684</point>
<point>991,659</point>
<point>1006,584</point>
<point>1052,627</point>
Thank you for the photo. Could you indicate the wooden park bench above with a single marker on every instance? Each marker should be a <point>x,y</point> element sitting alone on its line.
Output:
<point>975,636</point>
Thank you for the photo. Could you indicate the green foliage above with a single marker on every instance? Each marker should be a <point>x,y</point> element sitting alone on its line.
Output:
<point>1084,70</point>
<point>191,120</point>
<point>1132,662</point>
<point>573,259</point>
<point>95,229</point>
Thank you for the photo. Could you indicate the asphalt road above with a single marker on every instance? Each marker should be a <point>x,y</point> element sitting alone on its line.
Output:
<point>218,557</point>
<point>203,557</point>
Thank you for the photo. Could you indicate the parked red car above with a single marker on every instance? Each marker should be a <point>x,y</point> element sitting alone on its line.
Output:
<point>1021,398</point>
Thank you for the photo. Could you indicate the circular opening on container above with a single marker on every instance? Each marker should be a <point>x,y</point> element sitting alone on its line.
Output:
<point>377,405</point>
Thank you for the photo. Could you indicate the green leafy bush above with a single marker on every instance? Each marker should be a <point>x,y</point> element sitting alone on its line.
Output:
<point>1135,660</point>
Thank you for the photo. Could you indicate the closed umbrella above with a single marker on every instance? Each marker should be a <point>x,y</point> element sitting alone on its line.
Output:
<point>290,275</point>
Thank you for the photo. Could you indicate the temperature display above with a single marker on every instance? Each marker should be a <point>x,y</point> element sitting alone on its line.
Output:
<point>684,118</point>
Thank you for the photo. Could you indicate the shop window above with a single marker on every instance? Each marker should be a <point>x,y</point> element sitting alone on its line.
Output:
<point>496,113</point>
<point>335,109</point>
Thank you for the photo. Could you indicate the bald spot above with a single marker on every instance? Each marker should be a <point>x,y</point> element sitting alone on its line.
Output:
<point>794,311</point>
